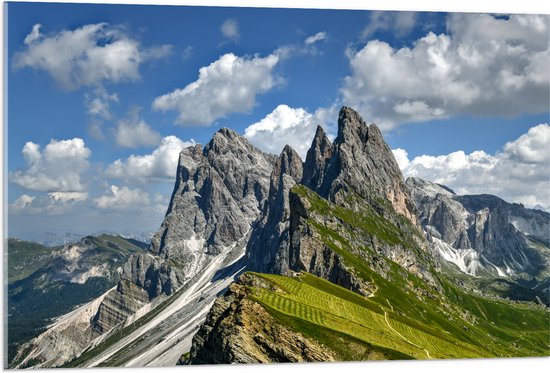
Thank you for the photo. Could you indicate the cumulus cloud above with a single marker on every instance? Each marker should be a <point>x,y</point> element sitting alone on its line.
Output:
<point>228,85</point>
<point>58,168</point>
<point>401,23</point>
<point>134,132</point>
<point>230,29</point>
<point>116,198</point>
<point>518,173</point>
<point>285,125</point>
<point>55,203</point>
<point>24,201</point>
<point>161,164</point>
<point>68,197</point>
<point>86,56</point>
<point>34,35</point>
<point>482,66</point>
<point>322,35</point>
<point>98,103</point>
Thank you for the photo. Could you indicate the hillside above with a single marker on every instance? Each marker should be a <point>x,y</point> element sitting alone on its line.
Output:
<point>44,282</point>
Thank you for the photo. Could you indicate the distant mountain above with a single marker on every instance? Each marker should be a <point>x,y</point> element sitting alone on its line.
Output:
<point>338,268</point>
<point>46,282</point>
<point>51,239</point>
<point>487,237</point>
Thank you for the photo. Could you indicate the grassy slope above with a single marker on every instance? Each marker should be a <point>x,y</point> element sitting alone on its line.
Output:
<point>345,321</point>
<point>26,257</point>
<point>451,323</point>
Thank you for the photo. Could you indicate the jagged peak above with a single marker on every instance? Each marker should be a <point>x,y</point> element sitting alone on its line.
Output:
<point>320,140</point>
<point>289,162</point>
<point>317,154</point>
<point>351,126</point>
<point>227,132</point>
<point>226,140</point>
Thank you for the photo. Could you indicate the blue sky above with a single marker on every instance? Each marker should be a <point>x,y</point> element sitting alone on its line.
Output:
<point>101,98</point>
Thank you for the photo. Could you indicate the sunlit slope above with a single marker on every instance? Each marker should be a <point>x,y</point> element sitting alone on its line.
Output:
<point>343,321</point>
<point>402,313</point>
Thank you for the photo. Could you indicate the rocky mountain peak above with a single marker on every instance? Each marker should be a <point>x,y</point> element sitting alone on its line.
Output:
<point>289,162</point>
<point>351,127</point>
<point>362,163</point>
<point>219,193</point>
<point>269,242</point>
<point>482,235</point>
<point>317,155</point>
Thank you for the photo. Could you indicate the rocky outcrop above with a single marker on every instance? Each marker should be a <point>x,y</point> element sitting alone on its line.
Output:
<point>118,305</point>
<point>316,159</point>
<point>219,193</point>
<point>239,330</point>
<point>482,234</point>
<point>153,274</point>
<point>269,243</point>
<point>361,163</point>
<point>357,172</point>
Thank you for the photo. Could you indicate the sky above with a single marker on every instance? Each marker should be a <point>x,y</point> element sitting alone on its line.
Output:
<point>102,98</point>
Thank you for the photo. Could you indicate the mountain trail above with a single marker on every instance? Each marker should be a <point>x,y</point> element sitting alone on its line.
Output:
<point>401,335</point>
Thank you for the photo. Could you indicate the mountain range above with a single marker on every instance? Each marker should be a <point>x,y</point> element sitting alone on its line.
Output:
<point>264,258</point>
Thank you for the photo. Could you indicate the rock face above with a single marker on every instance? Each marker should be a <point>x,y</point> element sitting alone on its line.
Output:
<point>239,330</point>
<point>269,243</point>
<point>316,160</point>
<point>220,191</point>
<point>118,305</point>
<point>482,234</point>
<point>219,194</point>
<point>359,162</point>
<point>357,172</point>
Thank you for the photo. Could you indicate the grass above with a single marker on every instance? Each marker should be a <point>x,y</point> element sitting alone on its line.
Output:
<point>440,317</point>
<point>357,327</point>
<point>359,319</point>
<point>24,258</point>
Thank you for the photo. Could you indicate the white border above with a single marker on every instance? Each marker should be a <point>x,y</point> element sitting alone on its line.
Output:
<point>530,365</point>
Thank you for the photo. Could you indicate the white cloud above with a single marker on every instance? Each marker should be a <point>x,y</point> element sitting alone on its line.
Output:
<point>133,132</point>
<point>400,23</point>
<point>124,198</point>
<point>86,56</point>
<point>322,35</point>
<point>481,66</point>
<point>230,29</point>
<point>55,203</point>
<point>519,173</point>
<point>98,104</point>
<point>68,197</point>
<point>34,35</point>
<point>228,85</point>
<point>532,147</point>
<point>285,125</point>
<point>402,157</point>
<point>24,201</point>
<point>161,164</point>
<point>58,168</point>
